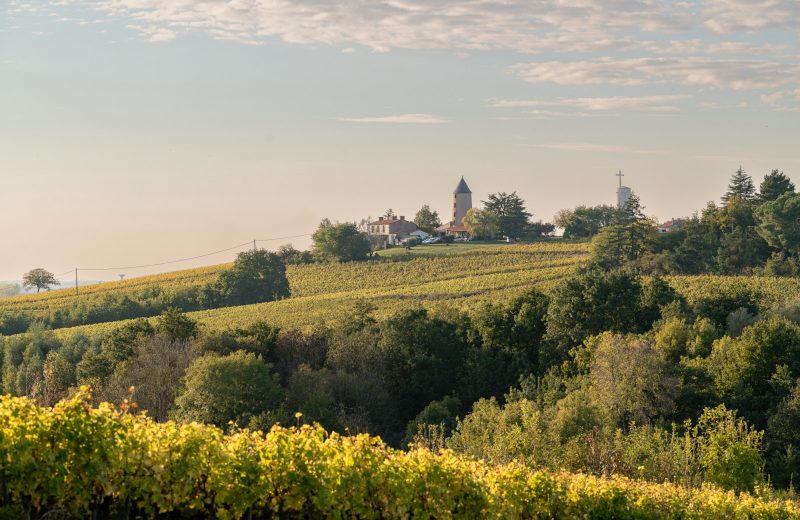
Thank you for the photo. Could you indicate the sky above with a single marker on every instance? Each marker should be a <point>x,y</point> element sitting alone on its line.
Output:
<point>139,131</point>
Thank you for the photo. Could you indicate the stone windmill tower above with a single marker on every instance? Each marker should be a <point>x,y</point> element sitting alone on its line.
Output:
<point>462,202</point>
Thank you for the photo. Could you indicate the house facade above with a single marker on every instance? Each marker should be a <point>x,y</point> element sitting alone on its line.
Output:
<point>670,225</point>
<point>392,230</point>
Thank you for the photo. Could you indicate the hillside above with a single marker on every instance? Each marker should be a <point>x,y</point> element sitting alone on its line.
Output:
<point>436,277</point>
<point>439,278</point>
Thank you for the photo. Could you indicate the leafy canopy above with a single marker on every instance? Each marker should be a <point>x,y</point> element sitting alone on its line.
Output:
<point>39,278</point>
<point>233,387</point>
<point>256,276</point>
<point>481,223</point>
<point>342,242</point>
<point>427,220</point>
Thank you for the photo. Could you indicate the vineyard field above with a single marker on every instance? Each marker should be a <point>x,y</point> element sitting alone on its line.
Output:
<point>326,293</point>
<point>140,468</point>
<point>458,279</point>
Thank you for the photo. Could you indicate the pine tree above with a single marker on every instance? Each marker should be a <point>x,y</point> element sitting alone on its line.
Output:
<point>510,210</point>
<point>775,184</point>
<point>741,186</point>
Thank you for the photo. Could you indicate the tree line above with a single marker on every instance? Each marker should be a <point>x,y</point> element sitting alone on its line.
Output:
<point>752,231</point>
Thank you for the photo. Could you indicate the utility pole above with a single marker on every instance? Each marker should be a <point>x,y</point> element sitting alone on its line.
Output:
<point>76,280</point>
<point>254,245</point>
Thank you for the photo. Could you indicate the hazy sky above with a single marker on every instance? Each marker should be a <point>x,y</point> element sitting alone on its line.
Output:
<point>136,131</point>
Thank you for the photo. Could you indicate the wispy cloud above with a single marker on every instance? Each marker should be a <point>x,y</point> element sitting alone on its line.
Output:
<point>154,34</point>
<point>692,71</point>
<point>595,147</point>
<point>404,119</point>
<point>773,99</point>
<point>660,103</point>
<point>728,16</point>
<point>528,26</point>
<point>696,44</point>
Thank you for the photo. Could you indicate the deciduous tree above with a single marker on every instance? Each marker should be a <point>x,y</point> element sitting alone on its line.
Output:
<point>228,388</point>
<point>39,278</point>
<point>427,220</point>
<point>342,242</point>
<point>481,223</point>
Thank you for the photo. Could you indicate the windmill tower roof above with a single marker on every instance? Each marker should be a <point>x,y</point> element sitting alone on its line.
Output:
<point>462,187</point>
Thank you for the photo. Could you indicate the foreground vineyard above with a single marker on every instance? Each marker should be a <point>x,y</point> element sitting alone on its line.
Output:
<point>76,461</point>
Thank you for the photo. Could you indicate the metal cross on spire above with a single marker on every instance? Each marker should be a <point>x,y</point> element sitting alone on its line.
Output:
<point>620,175</point>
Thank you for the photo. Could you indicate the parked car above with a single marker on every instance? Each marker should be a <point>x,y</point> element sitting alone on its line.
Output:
<point>432,240</point>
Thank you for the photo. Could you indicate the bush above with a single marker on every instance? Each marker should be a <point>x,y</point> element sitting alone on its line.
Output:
<point>228,388</point>
<point>729,450</point>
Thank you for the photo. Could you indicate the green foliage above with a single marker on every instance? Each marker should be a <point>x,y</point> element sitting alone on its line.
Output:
<point>783,440</point>
<point>515,330</point>
<point>427,220</point>
<point>119,345</point>
<point>108,463</point>
<point>741,186</point>
<point>779,223</point>
<point>629,380</point>
<point>292,256</point>
<point>720,448</point>
<point>442,413</point>
<point>224,388</point>
<point>628,238</point>
<point>676,338</point>
<point>40,279</point>
<point>419,354</point>
<point>176,325</point>
<point>745,368</point>
<point>775,184</point>
<point>512,218</point>
<point>341,242</point>
<point>256,276</point>
<point>729,450</point>
<point>539,229</point>
<point>320,291</point>
<point>593,302</point>
<point>585,222</point>
<point>481,223</point>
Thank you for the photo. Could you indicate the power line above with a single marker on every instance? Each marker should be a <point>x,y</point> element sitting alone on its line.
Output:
<point>283,238</point>
<point>163,263</point>
<point>179,260</point>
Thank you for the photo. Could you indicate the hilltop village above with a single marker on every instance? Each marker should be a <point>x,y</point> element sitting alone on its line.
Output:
<point>467,223</point>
